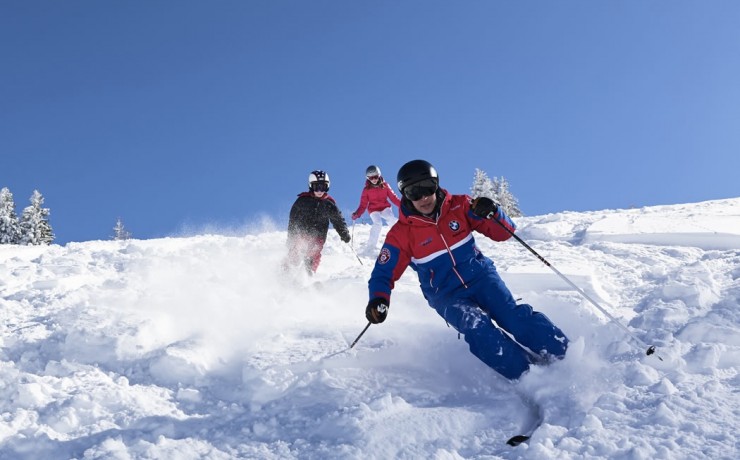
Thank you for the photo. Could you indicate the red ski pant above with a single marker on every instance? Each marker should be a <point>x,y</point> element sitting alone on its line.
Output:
<point>306,250</point>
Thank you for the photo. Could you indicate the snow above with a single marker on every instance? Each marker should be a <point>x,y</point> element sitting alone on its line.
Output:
<point>195,347</point>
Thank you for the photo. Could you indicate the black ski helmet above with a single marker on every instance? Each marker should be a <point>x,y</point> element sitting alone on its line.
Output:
<point>372,170</point>
<point>316,177</point>
<point>415,171</point>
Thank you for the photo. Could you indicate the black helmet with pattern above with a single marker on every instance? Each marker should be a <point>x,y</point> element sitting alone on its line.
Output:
<point>318,181</point>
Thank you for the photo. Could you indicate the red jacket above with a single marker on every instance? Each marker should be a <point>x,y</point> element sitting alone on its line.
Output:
<point>375,197</point>
<point>442,251</point>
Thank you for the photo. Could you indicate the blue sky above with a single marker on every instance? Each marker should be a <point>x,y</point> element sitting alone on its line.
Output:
<point>178,116</point>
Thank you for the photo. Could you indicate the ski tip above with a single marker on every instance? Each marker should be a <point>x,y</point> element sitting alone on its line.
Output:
<point>518,439</point>
<point>651,350</point>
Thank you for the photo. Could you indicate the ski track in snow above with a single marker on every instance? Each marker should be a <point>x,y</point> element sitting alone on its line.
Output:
<point>196,347</point>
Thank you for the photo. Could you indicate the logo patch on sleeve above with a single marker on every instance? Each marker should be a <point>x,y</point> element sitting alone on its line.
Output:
<point>454,225</point>
<point>384,256</point>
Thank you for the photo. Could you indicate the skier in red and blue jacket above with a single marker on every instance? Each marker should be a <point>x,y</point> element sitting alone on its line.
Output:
<point>434,237</point>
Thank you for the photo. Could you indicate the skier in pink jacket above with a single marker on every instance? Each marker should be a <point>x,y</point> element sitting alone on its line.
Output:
<point>375,198</point>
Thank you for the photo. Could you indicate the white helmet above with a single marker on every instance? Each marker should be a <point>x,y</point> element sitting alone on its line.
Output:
<point>318,181</point>
<point>372,170</point>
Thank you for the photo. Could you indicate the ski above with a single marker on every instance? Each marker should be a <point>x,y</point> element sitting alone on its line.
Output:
<point>518,439</point>
<point>524,437</point>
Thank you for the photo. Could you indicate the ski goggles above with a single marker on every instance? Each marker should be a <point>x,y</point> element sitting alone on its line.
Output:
<point>320,186</point>
<point>376,177</point>
<point>420,189</point>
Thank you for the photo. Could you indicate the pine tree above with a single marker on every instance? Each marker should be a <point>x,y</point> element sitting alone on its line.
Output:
<point>120,232</point>
<point>506,199</point>
<point>35,227</point>
<point>482,186</point>
<point>10,230</point>
<point>496,189</point>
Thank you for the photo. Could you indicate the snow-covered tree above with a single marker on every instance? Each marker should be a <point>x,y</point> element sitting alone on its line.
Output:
<point>506,199</point>
<point>120,232</point>
<point>482,185</point>
<point>10,230</point>
<point>35,227</point>
<point>496,189</point>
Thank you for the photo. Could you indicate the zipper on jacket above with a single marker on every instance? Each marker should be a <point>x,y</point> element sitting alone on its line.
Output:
<point>435,221</point>
<point>452,257</point>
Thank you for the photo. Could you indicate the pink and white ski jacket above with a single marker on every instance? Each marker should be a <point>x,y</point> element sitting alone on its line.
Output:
<point>375,197</point>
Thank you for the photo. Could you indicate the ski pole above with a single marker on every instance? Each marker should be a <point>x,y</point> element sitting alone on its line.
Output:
<point>650,348</point>
<point>358,257</point>
<point>361,334</point>
<point>352,237</point>
<point>352,247</point>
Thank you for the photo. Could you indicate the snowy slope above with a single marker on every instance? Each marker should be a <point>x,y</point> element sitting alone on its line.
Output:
<point>186,348</point>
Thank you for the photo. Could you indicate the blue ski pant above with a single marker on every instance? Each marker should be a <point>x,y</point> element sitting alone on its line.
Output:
<point>471,310</point>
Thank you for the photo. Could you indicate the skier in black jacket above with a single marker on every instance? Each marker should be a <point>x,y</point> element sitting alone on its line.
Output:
<point>309,223</point>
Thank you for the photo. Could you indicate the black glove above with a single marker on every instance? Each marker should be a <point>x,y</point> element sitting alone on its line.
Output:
<point>377,310</point>
<point>484,207</point>
<point>345,237</point>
